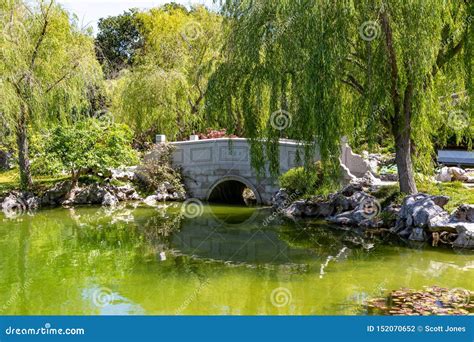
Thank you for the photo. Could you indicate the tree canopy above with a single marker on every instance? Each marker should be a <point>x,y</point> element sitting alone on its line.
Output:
<point>118,41</point>
<point>166,88</point>
<point>47,64</point>
<point>329,69</point>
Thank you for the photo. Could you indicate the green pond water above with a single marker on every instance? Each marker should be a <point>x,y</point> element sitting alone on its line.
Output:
<point>227,260</point>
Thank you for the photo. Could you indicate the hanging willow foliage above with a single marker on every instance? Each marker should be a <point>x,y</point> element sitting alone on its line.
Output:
<point>336,68</point>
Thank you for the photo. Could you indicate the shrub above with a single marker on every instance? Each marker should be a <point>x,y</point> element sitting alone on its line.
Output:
<point>158,169</point>
<point>91,144</point>
<point>305,181</point>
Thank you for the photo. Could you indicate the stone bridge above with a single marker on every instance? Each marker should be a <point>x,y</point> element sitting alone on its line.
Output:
<point>218,170</point>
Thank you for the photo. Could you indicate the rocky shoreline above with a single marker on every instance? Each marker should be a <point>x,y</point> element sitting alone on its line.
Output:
<point>420,217</point>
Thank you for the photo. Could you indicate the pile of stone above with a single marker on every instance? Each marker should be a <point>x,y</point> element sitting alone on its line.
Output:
<point>165,192</point>
<point>61,194</point>
<point>351,206</point>
<point>451,174</point>
<point>422,218</point>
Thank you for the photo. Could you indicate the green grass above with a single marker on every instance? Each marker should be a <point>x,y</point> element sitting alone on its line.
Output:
<point>456,191</point>
<point>9,180</point>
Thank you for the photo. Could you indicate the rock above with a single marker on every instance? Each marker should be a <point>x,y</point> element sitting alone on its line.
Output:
<point>152,200</point>
<point>418,234</point>
<point>168,192</point>
<point>464,213</point>
<point>109,200</point>
<point>390,214</point>
<point>125,192</point>
<point>18,203</point>
<point>123,174</point>
<point>421,211</point>
<point>281,199</point>
<point>444,175</point>
<point>448,174</point>
<point>389,177</point>
<point>465,237</point>
<point>308,208</point>
<point>91,194</point>
<point>5,160</point>
<point>364,210</point>
<point>56,194</point>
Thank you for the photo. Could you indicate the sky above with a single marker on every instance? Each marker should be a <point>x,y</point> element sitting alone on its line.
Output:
<point>90,11</point>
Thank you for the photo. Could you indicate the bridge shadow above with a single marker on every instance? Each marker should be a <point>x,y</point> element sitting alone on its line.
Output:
<point>233,191</point>
<point>236,237</point>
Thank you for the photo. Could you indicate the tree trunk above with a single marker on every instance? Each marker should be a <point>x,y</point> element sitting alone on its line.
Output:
<point>26,182</point>
<point>403,147</point>
<point>74,183</point>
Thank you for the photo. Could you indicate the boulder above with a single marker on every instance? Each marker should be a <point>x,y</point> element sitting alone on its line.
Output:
<point>444,175</point>
<point>152,200</point>
<point>464,213</point>
<point>123,174</point>
<point>18,203</point>
<point>109,200</point>
<point>56,194</point>
<point>448,174</point>
<point>91,194</point>
<point>421,211</point>
<point>124,192</point>
<point>465,237</point>
<point>5,160</point>
<point>308,208</point>
<point>281,199</point>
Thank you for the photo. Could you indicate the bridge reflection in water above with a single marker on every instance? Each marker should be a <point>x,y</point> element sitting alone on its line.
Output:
<point>236,238</point>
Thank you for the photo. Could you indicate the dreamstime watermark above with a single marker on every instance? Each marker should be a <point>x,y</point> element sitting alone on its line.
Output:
<point>458,120</point>
<point>104,116</point>
<point>281,208</point>
<point>370,208</point>
<point>458,31</point>
<point>369,30</point>
<point>192,208</point>
<point>46,330</point>
<point>280,119</point>
<point>191,31</point>
<point>103,297</point>
<point>15,295</point>
<point>280,297</point>
<point>192,297</point>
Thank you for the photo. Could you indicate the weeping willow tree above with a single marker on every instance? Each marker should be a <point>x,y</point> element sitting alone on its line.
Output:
<point>318,70</point>
<point>46,64</point>
<point>164,92</point>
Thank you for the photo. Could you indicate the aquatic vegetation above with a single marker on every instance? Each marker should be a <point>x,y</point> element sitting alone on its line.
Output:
<point>429,301</point>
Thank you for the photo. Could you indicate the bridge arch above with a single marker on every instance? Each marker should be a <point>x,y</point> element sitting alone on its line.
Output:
<point>229,189</point>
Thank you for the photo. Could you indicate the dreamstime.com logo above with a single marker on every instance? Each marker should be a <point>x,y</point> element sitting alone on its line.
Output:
<point>103,297</point>
<point>192,208</point>
<point>370,208</point>
<point>280,119</point>
<point>458,120</point>
<point>104,116</point>
<point>191,31</point>
<point>280,297</point>
<point>369,30</point>
<point>46,330</point>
